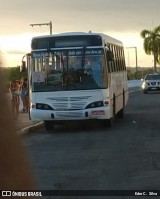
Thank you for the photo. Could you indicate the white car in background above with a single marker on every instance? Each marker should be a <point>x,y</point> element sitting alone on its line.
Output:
<point>151,83</point>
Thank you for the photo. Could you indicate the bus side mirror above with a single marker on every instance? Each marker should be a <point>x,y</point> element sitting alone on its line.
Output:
<point>23,67</point>
<point>109,55</point>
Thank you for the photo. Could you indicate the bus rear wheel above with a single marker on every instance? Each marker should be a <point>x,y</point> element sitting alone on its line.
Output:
<point>120,114</point>
<point>49,125</point>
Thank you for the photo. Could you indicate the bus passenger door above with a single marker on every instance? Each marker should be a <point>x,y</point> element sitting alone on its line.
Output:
<point>28,68</point>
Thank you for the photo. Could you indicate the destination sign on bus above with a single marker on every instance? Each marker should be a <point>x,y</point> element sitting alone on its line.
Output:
<point>68,52</point>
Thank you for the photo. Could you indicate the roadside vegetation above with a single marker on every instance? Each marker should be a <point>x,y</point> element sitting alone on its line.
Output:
<point>140,74</point>
<point>152,44</point>
<point>13,73</point>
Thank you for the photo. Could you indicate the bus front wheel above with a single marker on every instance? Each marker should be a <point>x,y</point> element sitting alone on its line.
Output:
<point>110,122</point>
<point>49,125</point>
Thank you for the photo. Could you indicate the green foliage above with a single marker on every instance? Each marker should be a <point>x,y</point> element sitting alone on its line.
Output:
<point>13,73</point>
<point>140,74</point>
<point>152,43</point>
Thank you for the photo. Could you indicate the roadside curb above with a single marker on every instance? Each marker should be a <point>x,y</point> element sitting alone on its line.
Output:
<point>134,90</point>
<point>31,128</point>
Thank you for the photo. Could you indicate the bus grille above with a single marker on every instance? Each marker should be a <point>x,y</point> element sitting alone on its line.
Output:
<point>69,103</point>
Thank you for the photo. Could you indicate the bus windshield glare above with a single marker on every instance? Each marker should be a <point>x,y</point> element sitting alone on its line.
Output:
<point>68,69</point>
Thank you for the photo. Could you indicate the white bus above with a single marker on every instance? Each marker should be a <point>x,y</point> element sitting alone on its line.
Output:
<point>63,87</point>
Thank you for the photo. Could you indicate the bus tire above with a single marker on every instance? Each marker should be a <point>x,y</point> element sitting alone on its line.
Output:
<point>109,122</point>
<point>145,91</point>
<point>120,114</point>
<point>48,125</point>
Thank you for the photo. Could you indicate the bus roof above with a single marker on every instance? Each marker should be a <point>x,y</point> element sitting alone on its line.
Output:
<point>106,38</point>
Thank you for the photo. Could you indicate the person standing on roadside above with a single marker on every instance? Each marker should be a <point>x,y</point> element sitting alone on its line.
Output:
<point>12,86</point>
<point>24,94</point>
<point>15,91</point>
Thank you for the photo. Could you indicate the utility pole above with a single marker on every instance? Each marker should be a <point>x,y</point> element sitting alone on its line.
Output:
<point>44,24</point>
<point>135,57</point>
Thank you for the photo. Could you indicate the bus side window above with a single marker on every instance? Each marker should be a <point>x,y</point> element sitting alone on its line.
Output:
<point>109,55</point>
<point>108,58</point>
<point>116,59</point>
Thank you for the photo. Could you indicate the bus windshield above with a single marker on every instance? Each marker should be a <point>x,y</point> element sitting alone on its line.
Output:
<point>68,69</point>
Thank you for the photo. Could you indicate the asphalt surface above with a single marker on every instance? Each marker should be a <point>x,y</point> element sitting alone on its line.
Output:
<point>25,125</point>
<point>92,157</point>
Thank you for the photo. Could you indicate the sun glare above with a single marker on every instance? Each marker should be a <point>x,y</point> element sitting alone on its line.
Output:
<point>132,40</point>
<point>15,42</point>
<point>13,47</point>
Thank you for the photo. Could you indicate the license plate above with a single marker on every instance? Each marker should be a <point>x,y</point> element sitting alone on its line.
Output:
<point>100,112</point>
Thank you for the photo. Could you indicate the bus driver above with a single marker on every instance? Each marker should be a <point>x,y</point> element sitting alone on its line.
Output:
<point>93,68</point>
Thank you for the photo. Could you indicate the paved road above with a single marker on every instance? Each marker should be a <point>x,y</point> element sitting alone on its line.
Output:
<point>90,156</point>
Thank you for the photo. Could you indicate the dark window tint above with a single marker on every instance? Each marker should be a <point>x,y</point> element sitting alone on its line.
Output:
<point>66,41</point>
<point>152,77</point>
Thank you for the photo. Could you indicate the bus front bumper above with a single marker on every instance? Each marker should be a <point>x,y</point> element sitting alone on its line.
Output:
<point>87,114</point>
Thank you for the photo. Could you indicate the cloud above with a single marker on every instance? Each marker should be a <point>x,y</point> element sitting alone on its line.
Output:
<point>122,18</point>
<point>79,15</point>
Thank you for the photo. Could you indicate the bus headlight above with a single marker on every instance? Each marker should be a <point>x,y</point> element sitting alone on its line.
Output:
<point>95,104</point>
<point>43,106</point>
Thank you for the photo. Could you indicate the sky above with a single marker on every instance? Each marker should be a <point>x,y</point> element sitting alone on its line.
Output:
<point>121,19</point>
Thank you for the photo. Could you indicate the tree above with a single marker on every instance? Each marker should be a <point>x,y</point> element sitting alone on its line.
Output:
<point>13,73</point>
<point>152,44</point>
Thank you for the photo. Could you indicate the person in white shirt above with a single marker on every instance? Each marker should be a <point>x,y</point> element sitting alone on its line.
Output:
<point>93,68</point>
